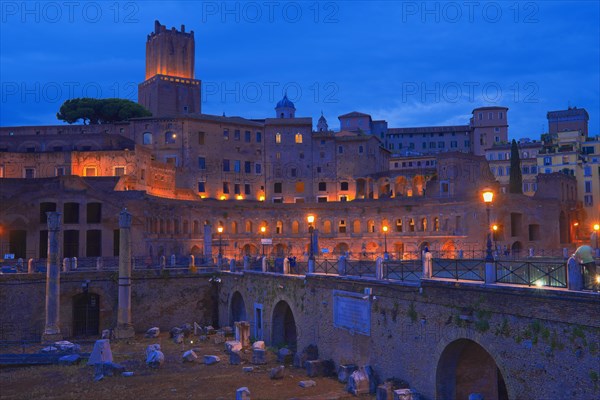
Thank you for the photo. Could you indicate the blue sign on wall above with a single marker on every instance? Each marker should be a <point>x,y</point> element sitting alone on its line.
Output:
<point>352,311</point>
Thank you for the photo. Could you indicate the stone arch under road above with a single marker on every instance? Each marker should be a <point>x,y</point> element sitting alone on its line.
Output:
<point>284,331</point>
<point>465,367</point>
<point>237,308</point>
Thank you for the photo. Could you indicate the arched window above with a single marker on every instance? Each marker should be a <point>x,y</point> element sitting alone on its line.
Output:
<point>356,226</point>
<point>278,137</point>
<point>234,227</point>
<point>186,226</point>
<point>371,226</point>
<point>424,224</point>
<point>411,225</point>
<point>398,225</point>
<point>248,227</point>
<point>295,227</point>
<point>196,227</point>
<point>279,228</point>
<point>147,138</point>
<point>436,224</point>
<point>298,137</point>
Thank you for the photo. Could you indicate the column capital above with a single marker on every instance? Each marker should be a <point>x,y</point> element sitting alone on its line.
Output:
<point>53,220</point>
<point>124,219</point>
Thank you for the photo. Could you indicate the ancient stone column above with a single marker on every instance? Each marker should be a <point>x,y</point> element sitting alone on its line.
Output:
<point>124,327</point>
<point>52,330</point>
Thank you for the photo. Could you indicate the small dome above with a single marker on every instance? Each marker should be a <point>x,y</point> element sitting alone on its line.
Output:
<point>285,103</point>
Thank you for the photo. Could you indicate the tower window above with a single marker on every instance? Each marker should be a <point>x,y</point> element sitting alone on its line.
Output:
<point>298,138</point>
<point>170,137</point>
<point>278,137</point>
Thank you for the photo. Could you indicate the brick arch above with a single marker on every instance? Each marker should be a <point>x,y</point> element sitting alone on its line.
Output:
<point>284,326</point>
<point>465,366</point>
<point>237,308</point>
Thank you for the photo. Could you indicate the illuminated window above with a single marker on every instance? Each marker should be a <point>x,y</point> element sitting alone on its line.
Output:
<point>170,137</point>
<point>119,171</point>
<point>298,138</point>
<point>398,225</point>
<point>299,187</point>
<point>89,171</point>
<point>278,137</point>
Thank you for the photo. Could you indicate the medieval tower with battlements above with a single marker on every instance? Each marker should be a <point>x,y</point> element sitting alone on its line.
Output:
<point>170,88</point>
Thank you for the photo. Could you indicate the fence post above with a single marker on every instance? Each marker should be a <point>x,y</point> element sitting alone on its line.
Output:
<point>19,264</point>
<point>173,260</point>
<point>163,262</point>
<point>531,252</point>
<point>65,264</point>
<point>232,265</point>
<point>98,263</point>
<point>74,263</point>
<point>379,268</point>
<point>490,272</point>
<point>30,266</point>
<point>286,266</point>
<point>427,265</point>
<point>311,265</point>
<point>574,274</point>
<point>192,267</point>
<point>246,262</point>
<point>342,266</point>
<point>264,264</point>
<point>460,254</point>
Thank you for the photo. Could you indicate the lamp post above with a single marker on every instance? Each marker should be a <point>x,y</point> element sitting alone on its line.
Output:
<point>596,230</point>
<point>385,252</point>
<point>220,231</point>
<point>495,233</point>
<point>311,229</point>
<point>263,229</point>
<point>488,197</point>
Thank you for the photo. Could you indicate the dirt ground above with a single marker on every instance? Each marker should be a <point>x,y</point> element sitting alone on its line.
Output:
<point>173,380</point>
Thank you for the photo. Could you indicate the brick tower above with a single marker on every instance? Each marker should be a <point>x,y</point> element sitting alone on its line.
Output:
<point>170,88</point>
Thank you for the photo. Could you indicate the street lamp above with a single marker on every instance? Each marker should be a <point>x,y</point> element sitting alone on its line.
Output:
<point>220,231</point>
<point>385,252</point>
<point>263,229</point>
<point>311,229</point>
<point>488,197</point>
<point>596,229</point>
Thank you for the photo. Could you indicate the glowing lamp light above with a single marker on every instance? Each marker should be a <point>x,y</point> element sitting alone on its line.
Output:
<point>495,227</point>
<point>488,196</point>
<point>385,228</point>
<point>310,219</point>
<point>223,197</point>
<point>261,198</point>
<point>539,283</point>
<point>220,229</point>
<point>576,224</point>
<point>598,279</point>
<point>596,227</point>
<point>263,229</point>
<point>202,196</point>
<point>239,197</point>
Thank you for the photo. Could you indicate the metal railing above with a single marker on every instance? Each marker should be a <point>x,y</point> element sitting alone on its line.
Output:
<point>360,268</point>
<point>532,273</point>
<point>403,270</point>
<point>458,269</point>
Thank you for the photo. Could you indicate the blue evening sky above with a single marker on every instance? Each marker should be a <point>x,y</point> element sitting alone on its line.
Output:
<point>412,63</point>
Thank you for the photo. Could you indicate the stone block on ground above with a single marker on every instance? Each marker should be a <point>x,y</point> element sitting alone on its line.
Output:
<point>175,331</point>
<point>242,394</point>
<point>178,338</point>
<point>153,332</point>
<point>406,394</point>
<point>227,330</point>
<point>67,347</point>
<point>316,368</point>
<point>70,359</point>
<point>189,356</point>
<point>154,356</point>
<point>373,379</point>
<point>248,369</point>
<point>210,359</point>
<point>285,356</point>
<point>358,383</point>
<point>259,344</point>
<point>234,358</point>
<point>277,372</point>
<point>259,356</point>
<point>219,337</point>
<point>50,349</point>
<point>310,352</point>
<point>344,372</point>
<point>101,352</point>
<point>203,338</point>
<point>209,330</point>
<point>186,329</point>
<point>233,345</point>
<point>307,384</point>
<point>385,391</point>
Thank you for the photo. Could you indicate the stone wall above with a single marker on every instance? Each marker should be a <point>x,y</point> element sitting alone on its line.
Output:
<point>158,299</point>
<point>544,343</point>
